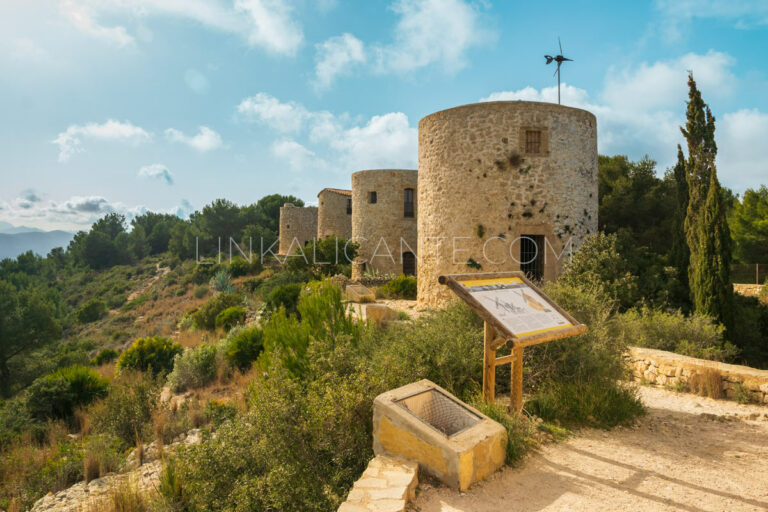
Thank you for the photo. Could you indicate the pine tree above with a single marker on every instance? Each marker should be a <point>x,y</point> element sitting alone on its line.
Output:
<point>706,228</point>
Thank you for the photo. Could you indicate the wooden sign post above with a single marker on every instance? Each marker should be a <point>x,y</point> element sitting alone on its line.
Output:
<point>516,311</point>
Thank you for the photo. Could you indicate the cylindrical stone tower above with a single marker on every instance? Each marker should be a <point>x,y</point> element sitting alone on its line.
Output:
<point>298,225</point>
<point>334,213</point>
<point>503,186</point>
<point>384,206</point>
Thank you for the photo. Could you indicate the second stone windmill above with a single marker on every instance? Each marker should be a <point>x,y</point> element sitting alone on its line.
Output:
<point>559,59</point>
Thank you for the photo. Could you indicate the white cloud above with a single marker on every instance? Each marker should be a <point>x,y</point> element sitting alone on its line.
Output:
<point>299,158</point>
<point>70,141</point>
<point>269,24</point>
<point>205,140</point>
<point>82,17</point>
<point>77,212</point>
<point>272,25</point>
<point>283,117</point>
<point>432,31</point>
<point>678,14</point>
<point>336,141</point>
<point>158,172</point>
<point>664,83</point>
<point>385,141</point>
<point>740,139</point>
<point>336,56</point>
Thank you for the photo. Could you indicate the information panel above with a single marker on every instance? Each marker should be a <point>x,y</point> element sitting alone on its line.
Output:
<point>516,305</point>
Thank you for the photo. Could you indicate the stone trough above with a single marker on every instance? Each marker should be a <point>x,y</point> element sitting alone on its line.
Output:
<point>449,439</point>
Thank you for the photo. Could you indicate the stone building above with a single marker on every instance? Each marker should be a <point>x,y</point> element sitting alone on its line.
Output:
<point>334,213</point>
<point>384,206</point>
<point>503,186</point>
<point>298,226</point>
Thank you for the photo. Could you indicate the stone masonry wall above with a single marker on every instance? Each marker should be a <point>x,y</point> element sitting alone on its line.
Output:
<point>381,229</point>
<point>298,225</point>
<point>667,369</point>
<point>332,216</point>
<point>479,190</point>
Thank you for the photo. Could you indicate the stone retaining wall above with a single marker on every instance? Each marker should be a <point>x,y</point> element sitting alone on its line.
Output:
<point>748,290</point>
<point>666,369</point>
<point>387,485</point>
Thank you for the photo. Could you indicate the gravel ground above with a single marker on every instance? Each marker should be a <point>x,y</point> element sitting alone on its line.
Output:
<point>689,453</point>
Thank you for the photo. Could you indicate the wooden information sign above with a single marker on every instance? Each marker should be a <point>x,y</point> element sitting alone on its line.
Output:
<point>516,311</point>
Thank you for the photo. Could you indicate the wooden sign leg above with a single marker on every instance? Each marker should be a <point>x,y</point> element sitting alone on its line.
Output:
<point>516,398</point>
<point>489,364</point>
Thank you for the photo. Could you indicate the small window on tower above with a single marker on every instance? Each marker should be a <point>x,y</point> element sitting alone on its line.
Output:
<point>372,197</point>
<point>533,142</point>
<point>408,202</point>
<point>349,206</point>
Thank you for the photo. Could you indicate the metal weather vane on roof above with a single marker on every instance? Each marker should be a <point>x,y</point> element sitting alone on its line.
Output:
<point>559,59</point>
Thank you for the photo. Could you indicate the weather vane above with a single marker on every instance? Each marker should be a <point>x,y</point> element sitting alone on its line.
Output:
<point>559,59</point>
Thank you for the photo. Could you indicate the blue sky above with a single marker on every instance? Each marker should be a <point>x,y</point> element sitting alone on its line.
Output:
<point>127,105</point>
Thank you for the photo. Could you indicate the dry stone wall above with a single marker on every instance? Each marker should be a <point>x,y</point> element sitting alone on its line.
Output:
<point>483,184</point>
<point>333,217</point>
<point>675,371</point>
<point>381,229</point>
<point>298,225</point>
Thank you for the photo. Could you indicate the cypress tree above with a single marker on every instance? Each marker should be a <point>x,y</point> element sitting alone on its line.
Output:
<point>681,255</point>
<point>706,228</point>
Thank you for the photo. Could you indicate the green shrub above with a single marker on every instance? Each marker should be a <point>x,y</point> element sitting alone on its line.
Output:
<point>285,296</point>
<point>324,320</point>
<point>116,300</point>
<point>402,287</point>
<point>193,368</point>
<point>91,311</point>
<point>242,346</point>
<point>252,284</point>
<point>300,447</point>
<point>102,454</point>
<point>153,354</point>
<point>205,316</point>
<point>231,317</point>
<point>695,336</point>
<point>445,347</point>
<point>592,403</point>
<point>222,281</point>
<point>326,257</point>
<point>218,412</point>
<point>138,301</point>
<point>128,408</point>
<point>171,488</point>
<point>750,331</point>
<point>106,355</point>
<point>763,295</point>
<point>520,429</point>
<point>577,380</point>
<point>283,278</point>
<point>58,394</point>
<point>240,267</point>
<point>201,291</point>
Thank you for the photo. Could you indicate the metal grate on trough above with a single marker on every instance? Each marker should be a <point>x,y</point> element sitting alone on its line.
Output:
<point>440,411</point>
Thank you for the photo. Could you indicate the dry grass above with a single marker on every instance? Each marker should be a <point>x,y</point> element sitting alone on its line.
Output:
<point>124,497</point>
<point>107,370</point>
<point>191,338</point>
<point>708,382</point>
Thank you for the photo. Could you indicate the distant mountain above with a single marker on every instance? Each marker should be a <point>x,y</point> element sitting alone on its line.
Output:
<point>40,242</point>
<point>7,227</point>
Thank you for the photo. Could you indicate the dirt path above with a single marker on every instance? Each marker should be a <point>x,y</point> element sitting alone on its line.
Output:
<point>689,453</point>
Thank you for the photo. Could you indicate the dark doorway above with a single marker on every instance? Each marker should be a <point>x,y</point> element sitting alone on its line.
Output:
<point>409,264</point>
<point>532,256</point>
